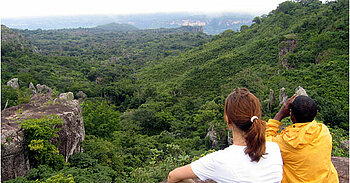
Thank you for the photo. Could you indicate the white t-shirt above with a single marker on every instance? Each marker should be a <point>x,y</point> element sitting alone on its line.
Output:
<point>233,165</point>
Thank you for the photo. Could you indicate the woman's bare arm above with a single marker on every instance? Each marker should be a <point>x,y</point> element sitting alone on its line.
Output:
<point>181,173</point>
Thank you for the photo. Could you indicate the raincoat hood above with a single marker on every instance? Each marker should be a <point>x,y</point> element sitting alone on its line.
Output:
<point>299,135</point>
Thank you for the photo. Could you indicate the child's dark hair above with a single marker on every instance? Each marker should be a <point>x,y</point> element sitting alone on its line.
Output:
<point>304,109</point>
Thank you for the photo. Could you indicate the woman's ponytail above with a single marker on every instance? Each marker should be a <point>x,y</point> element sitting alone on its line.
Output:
<point>255,140</point>
<point>243,109</point>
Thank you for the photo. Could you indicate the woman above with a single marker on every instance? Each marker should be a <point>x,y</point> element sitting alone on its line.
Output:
<point>249,159</point>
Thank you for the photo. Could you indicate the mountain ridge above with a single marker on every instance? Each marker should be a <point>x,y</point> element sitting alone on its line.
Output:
<point>211,24</point>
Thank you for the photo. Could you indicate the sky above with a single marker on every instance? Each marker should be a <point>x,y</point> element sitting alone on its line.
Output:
<point>37,8</point>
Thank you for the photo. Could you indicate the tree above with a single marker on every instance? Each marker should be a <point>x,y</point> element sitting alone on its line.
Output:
<point>257,20</point>
<point>244,27</point>
<point>38,134</point>
<point>100,118</point>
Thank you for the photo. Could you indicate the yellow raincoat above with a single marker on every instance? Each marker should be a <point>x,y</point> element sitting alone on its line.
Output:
<point>306,151</point>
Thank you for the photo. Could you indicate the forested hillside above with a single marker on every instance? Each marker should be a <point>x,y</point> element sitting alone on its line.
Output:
<point>155,95</point>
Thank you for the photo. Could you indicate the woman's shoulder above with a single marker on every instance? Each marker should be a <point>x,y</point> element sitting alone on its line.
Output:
<point>238,151</point>
<point>228,152</point>
<point>272,145</point>
<point>273,150</point>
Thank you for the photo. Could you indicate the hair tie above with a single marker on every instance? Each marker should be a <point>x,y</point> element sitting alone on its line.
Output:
<point>253,118</point>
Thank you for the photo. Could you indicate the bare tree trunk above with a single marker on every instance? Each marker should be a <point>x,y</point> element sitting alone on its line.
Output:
<point>7,101</point>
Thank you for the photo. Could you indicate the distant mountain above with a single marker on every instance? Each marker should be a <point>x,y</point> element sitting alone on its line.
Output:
<point>10,40</point>
<point>117,27</point>
<point>211,24</point>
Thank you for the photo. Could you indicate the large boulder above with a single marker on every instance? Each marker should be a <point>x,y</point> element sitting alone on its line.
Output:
<point>342,166</point>
<point>14,160</point>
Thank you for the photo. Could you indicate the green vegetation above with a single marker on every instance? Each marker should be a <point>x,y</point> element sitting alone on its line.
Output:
<point>38,135</point>
<point>153,95</point>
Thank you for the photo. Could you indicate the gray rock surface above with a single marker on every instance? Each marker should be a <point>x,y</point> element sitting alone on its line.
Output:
<point>81,95</point>
<point>300,91</point>
<point>282,95</point>
<point>342,166</point>
<point>213,137</point>
<point>13,83</point>
<point>14,161</point>
<point>285,47</point>
<point>229,138</point>
<point>32,88</point>
<point>43,89</point>
<point>272,100</point>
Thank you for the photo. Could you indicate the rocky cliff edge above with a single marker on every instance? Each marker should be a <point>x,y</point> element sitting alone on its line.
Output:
<point>14,161</point>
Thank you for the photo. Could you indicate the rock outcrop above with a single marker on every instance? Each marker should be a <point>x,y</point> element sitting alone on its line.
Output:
<point>282,95</point>
<point>14,160</point>
<point>272,100</point>
<point>300,91</point>
<point>342,166</point>
<point>13,83</point>
<point>81,95</point>
<point>43,89</point>
<point>229,138</point>
<point>287,46</point>
<point>9,36</point>
<point>213,137</point>
<point>32,88</point>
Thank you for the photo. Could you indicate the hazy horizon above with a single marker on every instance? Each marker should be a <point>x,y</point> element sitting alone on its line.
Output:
<point>41,8</point>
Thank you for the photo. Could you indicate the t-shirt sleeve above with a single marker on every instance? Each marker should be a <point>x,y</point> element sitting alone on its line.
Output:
<point>204,167</point>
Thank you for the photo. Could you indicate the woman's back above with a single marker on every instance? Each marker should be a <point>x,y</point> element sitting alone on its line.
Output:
<point>233,165</point>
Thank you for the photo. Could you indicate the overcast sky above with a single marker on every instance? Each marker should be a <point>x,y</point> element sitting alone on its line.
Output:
<point>32,8</point>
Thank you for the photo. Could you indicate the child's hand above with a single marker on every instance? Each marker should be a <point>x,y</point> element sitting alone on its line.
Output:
<point>284,111</point>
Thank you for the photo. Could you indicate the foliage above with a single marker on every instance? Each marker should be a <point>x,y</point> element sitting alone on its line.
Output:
<point>82,160</point>
<point>100,118</point>
<point>94,174</point>
<point>60,178</point>
<point>13,97</point>
<point>9,96</point>
<point>340,142</point>
<point>20,180</point>
<point>38,135</point>
<point>160,166</point>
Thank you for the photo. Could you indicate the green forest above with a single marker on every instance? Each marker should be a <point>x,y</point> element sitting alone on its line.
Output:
<point>154,94</point>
